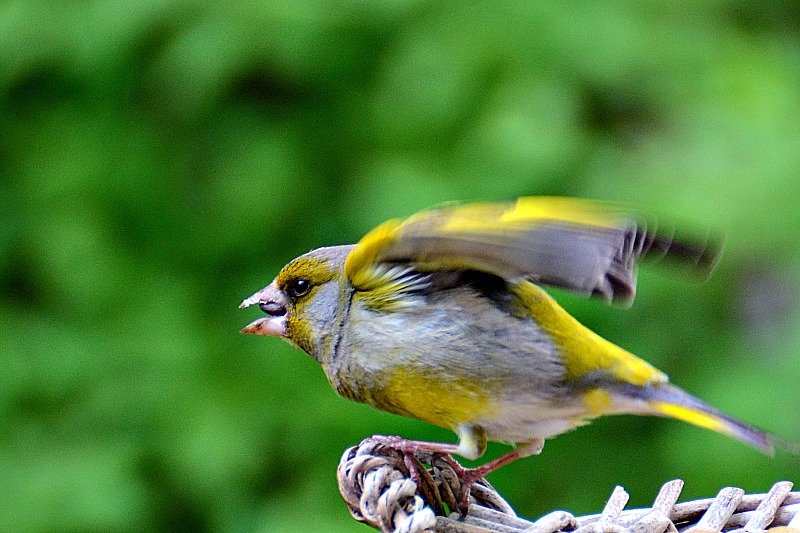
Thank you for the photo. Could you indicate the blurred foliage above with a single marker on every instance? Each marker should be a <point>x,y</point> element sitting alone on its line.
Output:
<point>161,160</point>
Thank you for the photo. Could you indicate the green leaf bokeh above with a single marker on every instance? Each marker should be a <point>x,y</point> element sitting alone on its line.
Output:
<point>161,160</point>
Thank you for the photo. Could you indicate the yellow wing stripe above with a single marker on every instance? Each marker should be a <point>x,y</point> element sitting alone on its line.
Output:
<point>476,222</point>
<point>525,213</point>
<point>365,254</point>
<point>570,210</point>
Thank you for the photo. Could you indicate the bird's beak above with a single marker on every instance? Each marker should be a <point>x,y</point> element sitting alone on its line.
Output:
<point>272,301</point>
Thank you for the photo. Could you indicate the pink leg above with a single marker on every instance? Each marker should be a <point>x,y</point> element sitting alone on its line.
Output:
<point>468,476</point>
<point>418,472</point>
<point>480,472</point>
<point>414,446</point>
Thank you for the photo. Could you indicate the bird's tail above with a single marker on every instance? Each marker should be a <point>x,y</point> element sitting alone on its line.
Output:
<point>664,399</point>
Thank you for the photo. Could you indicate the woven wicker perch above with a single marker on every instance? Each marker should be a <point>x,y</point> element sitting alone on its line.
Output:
<point>376,486</point>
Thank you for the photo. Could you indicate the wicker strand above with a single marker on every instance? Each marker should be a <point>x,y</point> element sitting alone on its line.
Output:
<point>379,489</point>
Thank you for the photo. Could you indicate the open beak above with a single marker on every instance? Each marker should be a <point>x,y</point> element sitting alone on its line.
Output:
<point>272,301</point>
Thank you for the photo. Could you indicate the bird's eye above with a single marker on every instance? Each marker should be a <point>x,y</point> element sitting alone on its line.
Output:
<point>298,287</point>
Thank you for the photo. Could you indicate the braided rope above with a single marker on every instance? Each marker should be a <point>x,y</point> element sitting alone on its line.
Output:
<point>377,489</point>
<point>377,486</point>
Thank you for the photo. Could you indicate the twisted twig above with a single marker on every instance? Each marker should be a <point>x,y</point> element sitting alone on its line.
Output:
<point>376,484</point>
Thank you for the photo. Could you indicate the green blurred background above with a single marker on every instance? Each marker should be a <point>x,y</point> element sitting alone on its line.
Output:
<point>161,160</point>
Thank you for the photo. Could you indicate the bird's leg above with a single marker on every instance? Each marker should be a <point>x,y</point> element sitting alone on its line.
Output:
<point>410,447</point>
<point>414,446</point>
<point>522,450</point>
<point>468,476</point>
<point>425,482</point>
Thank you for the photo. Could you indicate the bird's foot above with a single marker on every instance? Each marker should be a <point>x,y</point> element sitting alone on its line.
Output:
<point>416,454</point>
<point>414,446</point>
<point>470,476</point>
<point>456,495</point>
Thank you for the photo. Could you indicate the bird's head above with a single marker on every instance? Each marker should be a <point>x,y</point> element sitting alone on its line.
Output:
<point>304,301</point>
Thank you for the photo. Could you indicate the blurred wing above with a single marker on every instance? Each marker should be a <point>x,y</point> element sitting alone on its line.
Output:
<point>585,246</point>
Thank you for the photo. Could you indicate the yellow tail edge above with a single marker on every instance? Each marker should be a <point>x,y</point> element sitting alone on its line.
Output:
<point>716,421</point>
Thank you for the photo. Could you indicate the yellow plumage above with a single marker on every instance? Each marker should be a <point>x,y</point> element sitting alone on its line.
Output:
<point>442,317</point>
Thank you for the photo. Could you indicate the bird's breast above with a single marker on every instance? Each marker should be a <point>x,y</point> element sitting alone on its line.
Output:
<point>452,361</point>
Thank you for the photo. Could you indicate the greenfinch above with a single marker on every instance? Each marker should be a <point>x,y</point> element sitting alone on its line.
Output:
<point>442,317</point>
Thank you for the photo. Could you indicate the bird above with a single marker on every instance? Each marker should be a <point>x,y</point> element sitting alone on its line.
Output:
<point>443,317</point>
